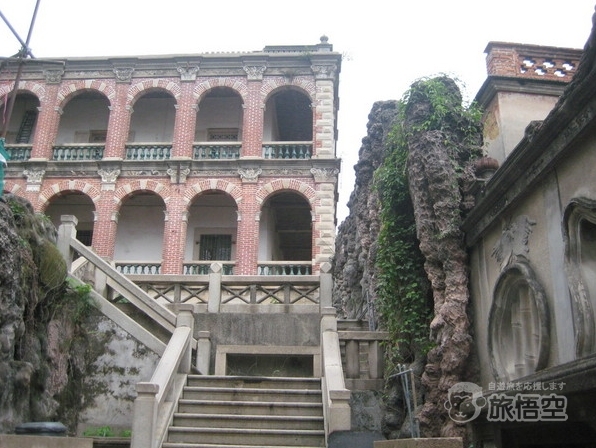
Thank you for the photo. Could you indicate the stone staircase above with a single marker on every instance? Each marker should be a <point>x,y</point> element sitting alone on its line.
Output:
<point>246,411</point>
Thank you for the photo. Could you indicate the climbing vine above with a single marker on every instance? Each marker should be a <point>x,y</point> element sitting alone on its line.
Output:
<point>405,299</point>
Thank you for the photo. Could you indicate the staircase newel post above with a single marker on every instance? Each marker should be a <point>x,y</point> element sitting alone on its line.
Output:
<point>186,318</point>
<point>325,286</point>
<point>145,416</point>
<point>67,231</point>
<point>215,271</point>
<point>204,352</point>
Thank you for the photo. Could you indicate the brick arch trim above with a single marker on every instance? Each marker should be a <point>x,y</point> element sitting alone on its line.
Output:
<point>271,85</point>
<point>69,90</point>
<point>142,185</point>
<point>213,184</point>
<point>68,185</point>
<point>35,88</point>
<point>137,90</point>
<point>237,85</point>
<point>12,187</point>
<point>286,185</point>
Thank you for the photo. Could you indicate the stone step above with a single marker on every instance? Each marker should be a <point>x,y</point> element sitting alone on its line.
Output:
<point>219,445</point>
<point>238,382</point>
<point>250,407</point>
<point>251,394</point>
<point>248,421</point>
<point>248,437</point>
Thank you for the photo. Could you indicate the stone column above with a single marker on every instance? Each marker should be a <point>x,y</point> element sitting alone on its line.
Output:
<point>48,119</point>
<point>252,134</point>
<point>118,124</point>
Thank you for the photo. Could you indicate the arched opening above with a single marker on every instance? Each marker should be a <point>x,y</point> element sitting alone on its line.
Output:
<point>218,130</point>
<point>77,204</point>
<point>285,232</point>
<point>288,118</point>
<point>153,118</point>
<point>84,119</point>
<point>211,233</point>
<point>23,120</point>
<point>139,238</point>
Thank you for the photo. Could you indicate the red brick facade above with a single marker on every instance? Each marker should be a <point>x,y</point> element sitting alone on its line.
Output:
<point>178,179</point>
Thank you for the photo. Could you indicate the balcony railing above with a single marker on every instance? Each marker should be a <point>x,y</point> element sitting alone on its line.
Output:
<point>287,150</point>
<point>216,151</point>
<point>78,152</point>
<point>202,267</point>
<point>138,267</point>
<point>284,268</point>
<point>148,151</point>
<point>19,152</point>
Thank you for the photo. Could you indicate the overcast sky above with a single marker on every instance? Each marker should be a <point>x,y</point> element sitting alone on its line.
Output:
<point>387,44</point>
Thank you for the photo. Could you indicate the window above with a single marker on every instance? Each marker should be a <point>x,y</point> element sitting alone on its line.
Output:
<point>222,134</point>
<point>215,247</point>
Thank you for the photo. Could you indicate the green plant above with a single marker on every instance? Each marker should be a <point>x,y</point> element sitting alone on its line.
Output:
<point>405,298</point>
<point>101,431</point>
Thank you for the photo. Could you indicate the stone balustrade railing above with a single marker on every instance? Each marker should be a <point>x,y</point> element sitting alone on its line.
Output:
<point>157,398</point>
<point>287,150</point>
<point>363,358</point>
<point>284,267</point>
<point>148,151</point>
<point>217,151</point>
<point>336,397</point>
<point>78,152</point>
<point>19,152</point>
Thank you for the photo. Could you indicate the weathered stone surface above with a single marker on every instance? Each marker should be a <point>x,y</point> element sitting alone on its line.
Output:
<point>356,242</point>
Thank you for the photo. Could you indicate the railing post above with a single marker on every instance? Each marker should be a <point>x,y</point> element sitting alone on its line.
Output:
<point>67,231</point>
<point>214,288</point>
<point>376,359</point>
<point>326,285</point>
<point>145,416</point>
<point>186,318</point>
<point>352,359</point>
<point>204,352</point>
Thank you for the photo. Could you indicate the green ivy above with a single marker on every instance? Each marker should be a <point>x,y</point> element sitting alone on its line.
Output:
<point>404,298</point>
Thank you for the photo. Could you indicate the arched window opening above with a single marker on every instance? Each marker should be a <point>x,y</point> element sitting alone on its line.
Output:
<point>285,233</point>
<point>139,238</point>
<point>151,128</point>
<point>580,262</point>
<point>78,204</point>
<point>289,119</point>
<point>211,233</point>
<point>23,120</point>
<point>84,119</point>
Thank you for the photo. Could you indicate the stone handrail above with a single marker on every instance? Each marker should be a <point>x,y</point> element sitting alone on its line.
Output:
<point>221,292</point>
<point>336,397</point>
<point>156,399</point>
<point>68,244</point>
<point>370,344</point>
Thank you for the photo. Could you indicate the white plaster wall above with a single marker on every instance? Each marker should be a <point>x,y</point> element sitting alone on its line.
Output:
<point>140,229</point>
<point>218,113</point>
<point>81,116</point>
<point>153,120</point>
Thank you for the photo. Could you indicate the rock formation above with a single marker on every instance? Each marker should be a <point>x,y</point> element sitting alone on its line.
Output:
<point>355,248</point>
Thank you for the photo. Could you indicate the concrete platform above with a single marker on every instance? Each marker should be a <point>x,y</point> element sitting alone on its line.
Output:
<point>447,442</point>
<point>26,441</point>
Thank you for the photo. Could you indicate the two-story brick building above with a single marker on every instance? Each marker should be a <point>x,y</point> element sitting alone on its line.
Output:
<point>170,162</point>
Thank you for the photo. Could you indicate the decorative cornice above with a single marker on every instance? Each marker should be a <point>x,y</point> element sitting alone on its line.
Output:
<point>324,174</point>
<point>249,174</point>
<point>53,76</point>
<point>254,72</point>
<point>327,71</point>
<point>123,74</point>
<point>188,72</point>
